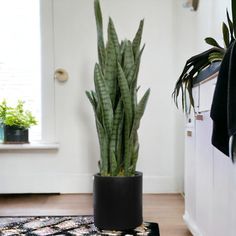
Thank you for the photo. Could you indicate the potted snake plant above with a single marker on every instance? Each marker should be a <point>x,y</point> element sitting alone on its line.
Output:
<point>117,186</point>
<point>202,61</point>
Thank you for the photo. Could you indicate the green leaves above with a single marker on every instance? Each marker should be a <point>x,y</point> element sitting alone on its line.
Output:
<point>16,116</point>
<point>225,32</point>
<point>212,42</point>
<point>99,24</point>
<point>103,99</point>
<point>191,69</point>
<point>114,101</point>
<point>137,39</point>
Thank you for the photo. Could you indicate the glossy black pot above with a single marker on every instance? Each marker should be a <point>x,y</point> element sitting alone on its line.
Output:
<point>15,134</point>
<point>118,202</point>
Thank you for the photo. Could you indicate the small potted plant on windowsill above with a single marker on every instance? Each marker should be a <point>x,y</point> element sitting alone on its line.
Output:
<point>16,123</point>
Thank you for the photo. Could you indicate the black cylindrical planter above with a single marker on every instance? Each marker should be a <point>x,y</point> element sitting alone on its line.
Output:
<point>15,134</point>
<point>118,202</point>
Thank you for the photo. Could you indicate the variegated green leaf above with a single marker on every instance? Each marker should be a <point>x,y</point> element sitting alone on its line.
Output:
<point>125,93</point>
<point>110,72</point>
<point>104,99</point>
<point>139,111</point>
<point>90,97</point>
<point>126,99</point>
<point>99,24</point>
<point>137,39</point>
<point>135,152</point>
<point>118,116</point>
<point>213,57</point>
<point>134,80</point>
<point>112,35</point>
<point>128,58</point>
<point>103,141</point>
<point>113,163</point>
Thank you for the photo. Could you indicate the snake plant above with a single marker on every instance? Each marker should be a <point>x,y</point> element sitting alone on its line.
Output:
<point>197,63</point>
<point>114,101</point>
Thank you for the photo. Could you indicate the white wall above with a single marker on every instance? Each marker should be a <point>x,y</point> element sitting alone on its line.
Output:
<point>70,169</point>
<point>193,27</point>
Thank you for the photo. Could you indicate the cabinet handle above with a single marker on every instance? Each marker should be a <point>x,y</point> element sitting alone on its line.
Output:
<point>189,133</point>
<point>199,117</point>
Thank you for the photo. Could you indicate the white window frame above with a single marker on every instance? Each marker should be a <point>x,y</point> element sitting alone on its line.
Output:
<point>47,80</point>
<point>48,119</point>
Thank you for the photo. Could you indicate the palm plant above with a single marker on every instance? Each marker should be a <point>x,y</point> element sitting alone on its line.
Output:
<point>197,63</point>
<point>114,101</point>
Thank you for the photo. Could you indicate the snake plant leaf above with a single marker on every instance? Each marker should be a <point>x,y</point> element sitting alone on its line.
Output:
<point>122,48</point>
<point>225,31</point>
<point>118,116</point>
<point>212,42</point>
<point>137,39</point>
<point>135,77</point>
<point>120,143</point>
<point>103,148</point>
<point>91,99</point>
<point>125,93</point>
<point>128,57</point>
<point>128,148</point>
<point>113,163</point>
<point>137,65</point>
<point>230,24</point>
<point>140,111</point>
<point>99,24</point>
<point>233,6</point>
<point>130,75</point>
<point>110,69</point>
<point>135,153</point>
<point>112,35</point>
<point>126,99</point>
<point>104,98</point>
<point>95,99</point>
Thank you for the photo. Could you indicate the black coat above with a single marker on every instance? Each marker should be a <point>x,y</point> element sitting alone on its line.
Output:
<point>223,110</point>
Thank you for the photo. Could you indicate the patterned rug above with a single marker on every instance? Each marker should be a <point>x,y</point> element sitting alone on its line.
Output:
<point>65,225</point>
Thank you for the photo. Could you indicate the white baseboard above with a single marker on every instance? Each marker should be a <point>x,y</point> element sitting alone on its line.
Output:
<point>191,225</point>
<point>75,183</point>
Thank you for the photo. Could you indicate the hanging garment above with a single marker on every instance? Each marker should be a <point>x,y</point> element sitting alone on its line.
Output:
<point>223,110</point>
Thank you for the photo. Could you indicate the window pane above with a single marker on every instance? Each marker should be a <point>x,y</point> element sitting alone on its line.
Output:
<point>20,63</point>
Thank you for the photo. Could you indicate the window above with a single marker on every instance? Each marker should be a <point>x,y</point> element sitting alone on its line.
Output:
<point>20,56</point>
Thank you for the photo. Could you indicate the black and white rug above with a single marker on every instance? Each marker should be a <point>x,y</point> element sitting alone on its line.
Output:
<point>65,225</point>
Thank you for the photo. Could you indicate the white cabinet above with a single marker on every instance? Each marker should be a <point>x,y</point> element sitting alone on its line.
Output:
<point>204,172</point>
<point>210,176</point>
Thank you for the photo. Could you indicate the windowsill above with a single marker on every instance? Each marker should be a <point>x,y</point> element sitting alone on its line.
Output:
<point>30,146</point>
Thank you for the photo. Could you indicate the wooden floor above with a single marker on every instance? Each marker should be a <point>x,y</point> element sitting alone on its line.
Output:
<point>166,209</point>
